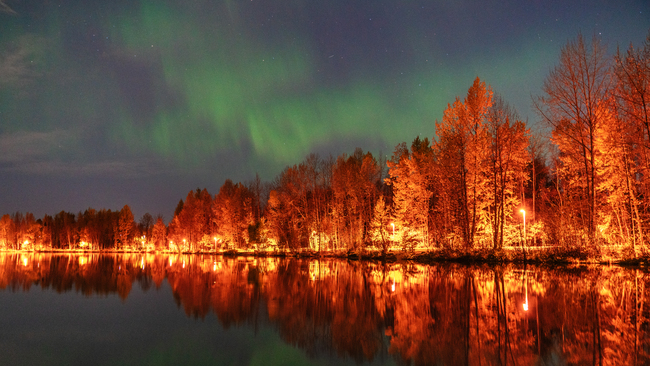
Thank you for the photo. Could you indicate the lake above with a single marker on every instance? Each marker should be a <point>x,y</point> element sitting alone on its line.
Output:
<point>133,309</point>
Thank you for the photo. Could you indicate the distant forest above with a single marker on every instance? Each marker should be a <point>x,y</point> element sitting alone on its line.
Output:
<point>484,181</point>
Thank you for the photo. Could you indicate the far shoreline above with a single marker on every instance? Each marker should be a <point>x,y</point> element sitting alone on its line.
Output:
<point>542,256</point>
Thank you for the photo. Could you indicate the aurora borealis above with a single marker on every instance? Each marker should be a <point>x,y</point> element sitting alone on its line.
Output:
<point>137,102</point>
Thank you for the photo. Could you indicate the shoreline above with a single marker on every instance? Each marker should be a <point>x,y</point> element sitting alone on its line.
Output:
<point>551,256</point>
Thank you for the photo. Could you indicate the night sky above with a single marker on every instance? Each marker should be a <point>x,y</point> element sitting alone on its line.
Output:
<point>106,103</point>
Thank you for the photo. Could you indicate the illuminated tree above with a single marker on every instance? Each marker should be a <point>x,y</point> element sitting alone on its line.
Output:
<point>46,232</point>
<point>64,230</point>
<point>233,213</point>
<point>461,151</point>
<point>203,218</point>
<point>632,95</point>
<point>20,228</point>
<point>507,156</point>
<point>317,179</point>
<point>31,229</point>
<point>256,188</point>
<point>280,223</point>
<point>537,149</point>
<point>195,219</point>
<point>159,233</point>
<point>145,226</point>
<point>7,235</point>
<point>379,225</point>
<point>186,218</point>
<point>175,235</point>
<point>287,209</point>
<point>410,178</point>
<point>573,104</point>
<point>125,228</point>
<point>354,188</point>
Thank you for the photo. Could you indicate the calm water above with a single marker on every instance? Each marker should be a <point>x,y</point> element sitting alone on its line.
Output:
<point>172,310</point>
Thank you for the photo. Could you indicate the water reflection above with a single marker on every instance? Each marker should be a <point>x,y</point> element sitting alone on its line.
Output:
<point>448,314</point>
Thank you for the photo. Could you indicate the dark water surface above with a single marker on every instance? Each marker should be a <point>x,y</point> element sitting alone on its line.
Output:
<point>192,310</point>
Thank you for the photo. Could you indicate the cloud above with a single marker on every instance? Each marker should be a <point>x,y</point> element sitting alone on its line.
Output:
<point>19,62</point>
<point>112,169</point>
<point>4,8</point>
<point>39,153</point>
<point>25,146</point>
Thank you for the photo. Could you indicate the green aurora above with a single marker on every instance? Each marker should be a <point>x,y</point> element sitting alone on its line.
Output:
<point>152,90</point>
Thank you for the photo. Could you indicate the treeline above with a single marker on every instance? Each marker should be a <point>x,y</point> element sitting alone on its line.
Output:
<point>90,229</point>
<point>484,181</point>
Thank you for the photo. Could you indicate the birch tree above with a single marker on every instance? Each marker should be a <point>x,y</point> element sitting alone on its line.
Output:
<point>572,105</point>
<point>508,140</point>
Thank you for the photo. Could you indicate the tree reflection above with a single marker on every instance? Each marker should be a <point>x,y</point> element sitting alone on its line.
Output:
<point>417,314</point>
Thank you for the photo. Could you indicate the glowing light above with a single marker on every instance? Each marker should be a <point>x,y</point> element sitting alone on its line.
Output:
<point>214,268</point>
<point>393,225</point>
<point>526,290</point>
<point>392,289</point>
<point>24,261</point>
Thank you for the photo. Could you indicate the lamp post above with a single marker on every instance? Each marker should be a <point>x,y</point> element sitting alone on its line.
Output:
<point>393,225</point>
<point>215,244</point>
<point>184,245</point>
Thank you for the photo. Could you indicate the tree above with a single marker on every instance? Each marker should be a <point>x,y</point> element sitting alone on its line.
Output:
<point>573,105</point>
<point>289,214</point>
<point>461,151</point>
<point>175,235</point>
<point>7,235</point>
<point>159,233</point>
<point>632,95</point>
<point>410,177</point>
<point>125,228</point>
<point>146,225</point>
<point>354,189</point>
<point>233,213</point>
<point>31,232</point>
<point>195,218</point>
<point>379,225</point>
<point>507,157</point>
<point>64,230</point>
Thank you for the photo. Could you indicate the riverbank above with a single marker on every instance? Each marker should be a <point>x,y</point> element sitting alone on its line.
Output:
<point>550,255</point>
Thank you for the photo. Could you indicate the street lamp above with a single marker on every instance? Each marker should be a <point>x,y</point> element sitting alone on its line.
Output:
<point>393,225</point>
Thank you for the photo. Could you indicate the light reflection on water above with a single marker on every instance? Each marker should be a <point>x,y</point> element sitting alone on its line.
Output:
<point>247,310</point>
